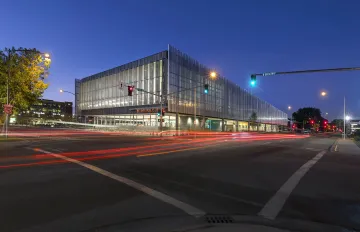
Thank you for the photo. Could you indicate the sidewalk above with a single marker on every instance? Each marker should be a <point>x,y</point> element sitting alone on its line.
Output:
<point>347,146</point>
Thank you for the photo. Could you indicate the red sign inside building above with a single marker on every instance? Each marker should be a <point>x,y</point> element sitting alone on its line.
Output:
<point>149,110</point>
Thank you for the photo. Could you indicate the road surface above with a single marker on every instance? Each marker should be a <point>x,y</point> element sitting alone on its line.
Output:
<point>60,180</point>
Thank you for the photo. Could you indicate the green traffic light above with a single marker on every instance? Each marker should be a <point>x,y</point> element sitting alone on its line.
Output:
<point>206,88</point>
<point>253,80</point>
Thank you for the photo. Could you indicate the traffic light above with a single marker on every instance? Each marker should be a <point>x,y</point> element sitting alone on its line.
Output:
<point>159,112</point>
<point>325,122</point>
<point>130,90</point>
<point>312,121</point>
<point>206,88</point>
<point>253,80</point>
<point>163,112</point>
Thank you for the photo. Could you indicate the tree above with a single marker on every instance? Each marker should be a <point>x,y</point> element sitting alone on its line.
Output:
<point>253,119</point>
<point>28,69</point>
<point>304,116</point>
<point>339,123</point>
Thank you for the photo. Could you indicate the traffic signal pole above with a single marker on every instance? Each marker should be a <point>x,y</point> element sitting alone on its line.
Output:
<point>161,100</point>
<point>253,77</point>
<point>306,71</point>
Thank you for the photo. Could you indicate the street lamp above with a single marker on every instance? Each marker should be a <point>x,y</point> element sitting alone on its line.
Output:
<point>323,93</point>
<point>213,75</point>
<point>64,91</point>
<point>347,118</point>
<point>289,107</point>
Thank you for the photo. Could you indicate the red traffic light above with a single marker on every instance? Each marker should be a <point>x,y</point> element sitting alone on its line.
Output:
<point>312,121</point>
<point>130,90</point>
<point>325,122</point>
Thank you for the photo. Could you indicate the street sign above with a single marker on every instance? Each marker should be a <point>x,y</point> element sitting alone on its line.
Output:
<point>138,89</point>
<point>8,109</point>
<point>269,74</point>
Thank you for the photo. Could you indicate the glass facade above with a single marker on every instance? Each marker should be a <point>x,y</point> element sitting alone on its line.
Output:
<point>109,89</point>
<point>223,100</point>
<point>171,73</point>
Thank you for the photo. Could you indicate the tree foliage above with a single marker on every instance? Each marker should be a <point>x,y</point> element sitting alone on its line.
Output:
<point>253,117</point>
<point>27,69</point>
<point>304,115</point>
<point>338,122</point>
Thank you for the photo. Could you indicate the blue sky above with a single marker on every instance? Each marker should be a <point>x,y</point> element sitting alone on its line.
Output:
<point>236,38</point>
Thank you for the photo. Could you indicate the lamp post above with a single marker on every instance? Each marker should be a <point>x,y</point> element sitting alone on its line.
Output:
<point>212,75</point>
<point>8,59</point>
<point>64,91</point>
<point>344,120</point>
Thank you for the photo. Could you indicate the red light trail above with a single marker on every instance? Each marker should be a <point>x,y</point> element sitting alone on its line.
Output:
<point>165,145</point>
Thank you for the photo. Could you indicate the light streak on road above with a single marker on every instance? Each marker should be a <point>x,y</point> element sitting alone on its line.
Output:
<point>164,146</point>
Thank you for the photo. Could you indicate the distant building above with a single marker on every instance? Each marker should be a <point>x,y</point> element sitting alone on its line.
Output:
<point>354,125</point>
<point>44,109</point>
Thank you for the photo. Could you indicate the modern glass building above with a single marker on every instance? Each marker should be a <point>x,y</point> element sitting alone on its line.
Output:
<point>103,98</point>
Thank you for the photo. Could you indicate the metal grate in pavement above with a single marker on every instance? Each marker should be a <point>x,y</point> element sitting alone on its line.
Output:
<point>216,219</point>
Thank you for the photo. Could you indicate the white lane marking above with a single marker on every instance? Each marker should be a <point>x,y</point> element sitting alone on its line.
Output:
<point>275,204</point>
<point>281,141</point>
<point>266,143</point>
<point>158,195</point>
<point>336,147</point>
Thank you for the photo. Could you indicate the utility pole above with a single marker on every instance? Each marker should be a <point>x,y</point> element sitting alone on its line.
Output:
<point>194,108</point>
<point>303,125</point>
<point>7,95</point>
<point>161,112</point>
<point>344,119</point>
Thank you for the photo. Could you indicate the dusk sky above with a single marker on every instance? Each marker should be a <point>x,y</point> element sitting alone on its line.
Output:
<point>236,38</point>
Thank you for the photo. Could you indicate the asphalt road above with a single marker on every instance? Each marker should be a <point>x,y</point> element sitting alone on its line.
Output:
<point>59,180</point>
